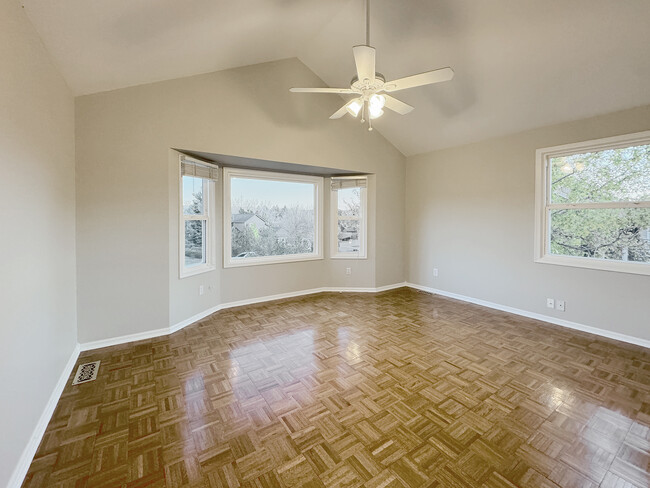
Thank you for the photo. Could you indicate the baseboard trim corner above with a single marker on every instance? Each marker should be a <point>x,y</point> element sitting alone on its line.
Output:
<point>114,341</point>
<point>347,289</point>
<point>637,341</point>
<point>20,471</point>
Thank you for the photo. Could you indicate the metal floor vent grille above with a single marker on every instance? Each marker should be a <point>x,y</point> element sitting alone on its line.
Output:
<point>86,372</point>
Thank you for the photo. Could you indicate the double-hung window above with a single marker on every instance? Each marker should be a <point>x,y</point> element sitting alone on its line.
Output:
<point>349,222</point>
<point>593,204</point>
<point>271,217</point>
<point>197,229</point>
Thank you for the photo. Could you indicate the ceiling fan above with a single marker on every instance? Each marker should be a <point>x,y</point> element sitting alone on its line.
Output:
<point>372,89</point>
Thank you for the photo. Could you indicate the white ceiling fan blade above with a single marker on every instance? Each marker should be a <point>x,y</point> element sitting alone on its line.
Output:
<point>364,58</point>
<point>397,105</point>
<point>427,78</point>
<point>340,112</point>
<point>321,90</point>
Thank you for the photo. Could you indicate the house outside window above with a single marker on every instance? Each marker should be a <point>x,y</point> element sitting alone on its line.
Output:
<point>271,217</point>
<point>593,204</point>
<point>348,216</point>
<point>197,229</point>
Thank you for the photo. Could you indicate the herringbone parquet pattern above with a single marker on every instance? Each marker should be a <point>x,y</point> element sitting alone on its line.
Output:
<point>398,389</point>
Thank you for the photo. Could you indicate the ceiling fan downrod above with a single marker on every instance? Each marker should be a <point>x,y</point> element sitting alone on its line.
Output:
<point>367,22</point>
<point>364,110</point>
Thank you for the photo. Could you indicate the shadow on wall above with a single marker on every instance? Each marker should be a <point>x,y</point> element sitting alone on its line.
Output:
<point>285,109</point>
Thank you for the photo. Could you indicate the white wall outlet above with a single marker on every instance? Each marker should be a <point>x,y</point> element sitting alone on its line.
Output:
<point>435,272</point>
<point>201,290</point>
<point>550,303</point>
<point>560,305</point>
<point>348,271</point>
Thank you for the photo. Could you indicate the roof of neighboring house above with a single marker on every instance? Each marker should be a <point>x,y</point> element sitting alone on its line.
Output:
<point>242,218</point>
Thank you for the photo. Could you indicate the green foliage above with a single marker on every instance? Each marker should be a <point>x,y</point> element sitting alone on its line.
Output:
<point>616,175</point>
<point>285,230</point>
<point>613,175</point>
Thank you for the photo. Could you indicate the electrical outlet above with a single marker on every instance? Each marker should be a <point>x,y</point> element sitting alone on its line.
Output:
<point>550,303</point>
<point>201,290</point>
<point>435,272</point>
<point>560,305</point>
<point>348,271</point>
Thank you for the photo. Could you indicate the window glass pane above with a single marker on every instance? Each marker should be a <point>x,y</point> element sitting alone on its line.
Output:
<point>348,236</point>
<point>195,242</point>
<point>349,202</point>
<point>616,234</point>
<point>613,175</point>
<point>192,195</point>
<point>271,218</point>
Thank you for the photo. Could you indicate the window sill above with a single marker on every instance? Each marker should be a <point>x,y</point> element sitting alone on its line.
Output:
<point>187,272</point>
<point>265,260</point>
<point>596,264</point>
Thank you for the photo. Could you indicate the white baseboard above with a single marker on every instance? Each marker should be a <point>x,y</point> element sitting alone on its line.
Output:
<point>113,341</point>
<point>270,298</point>
<point>365,290</point>
<point>20,471</point>
<point>251,301</point>
<point>538,316</point>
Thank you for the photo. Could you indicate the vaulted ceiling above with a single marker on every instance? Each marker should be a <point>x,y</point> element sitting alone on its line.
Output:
<point>519,64</point>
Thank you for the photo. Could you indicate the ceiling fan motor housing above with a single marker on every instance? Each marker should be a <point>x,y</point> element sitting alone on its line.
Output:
<point>368,86</point>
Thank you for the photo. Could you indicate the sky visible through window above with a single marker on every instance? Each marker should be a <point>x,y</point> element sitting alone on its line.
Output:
<point>279,193</point>
<point>191,186</point>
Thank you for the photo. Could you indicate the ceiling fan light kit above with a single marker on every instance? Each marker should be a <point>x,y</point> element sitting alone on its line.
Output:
<point>371,88</point>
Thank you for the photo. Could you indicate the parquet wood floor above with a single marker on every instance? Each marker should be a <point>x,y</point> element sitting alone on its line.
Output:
<point>397,389</point>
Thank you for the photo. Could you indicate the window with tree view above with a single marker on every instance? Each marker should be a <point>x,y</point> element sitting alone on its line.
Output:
<point>597,202</point>
<point>348,217</point>
<point>270,217</point>
<point>196,244</point>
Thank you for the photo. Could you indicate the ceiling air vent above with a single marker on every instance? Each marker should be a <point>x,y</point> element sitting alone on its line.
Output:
<point>86,372</point>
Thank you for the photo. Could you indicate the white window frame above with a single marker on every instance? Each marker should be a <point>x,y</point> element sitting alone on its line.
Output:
<point>317,181</point>
<point>363,224</point>
<point>543,204</point>
<point>210,231</point>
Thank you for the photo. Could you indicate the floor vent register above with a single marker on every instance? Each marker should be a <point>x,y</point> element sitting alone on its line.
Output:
<point>86,372</point>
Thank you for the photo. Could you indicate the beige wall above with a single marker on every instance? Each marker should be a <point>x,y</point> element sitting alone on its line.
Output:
<point>37,249</point>
<point>470,213</point>
<point>127,186</point>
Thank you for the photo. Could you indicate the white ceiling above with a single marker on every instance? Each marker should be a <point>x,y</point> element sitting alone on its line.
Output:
<point>519,64</point>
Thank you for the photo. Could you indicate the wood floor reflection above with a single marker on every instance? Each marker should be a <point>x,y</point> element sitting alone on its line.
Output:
<point>397,389</point>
